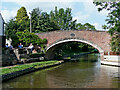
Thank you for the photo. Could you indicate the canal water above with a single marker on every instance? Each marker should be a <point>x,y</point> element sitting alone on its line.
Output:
<point>87,73</point>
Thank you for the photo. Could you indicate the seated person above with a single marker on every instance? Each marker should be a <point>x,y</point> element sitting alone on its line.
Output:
<point>11,47</point>
<point>30,47</point>
<point>34,51</point>
<point>20,46</point>
<point>36,47</point>
<point>7,45</point>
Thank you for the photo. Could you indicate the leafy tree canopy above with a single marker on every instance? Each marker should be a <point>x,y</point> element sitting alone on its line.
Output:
<point>58,19</point>
<point>26,37</point>
<point>63,18</point>
<point>41,22</point>
<point>113,22</point>
<point>113,18</point>
<point>34,17</point>
<point>22,15</point>
<point>85,26</point>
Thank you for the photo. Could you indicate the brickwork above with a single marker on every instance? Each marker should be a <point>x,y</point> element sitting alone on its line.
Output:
<point>100,38</point>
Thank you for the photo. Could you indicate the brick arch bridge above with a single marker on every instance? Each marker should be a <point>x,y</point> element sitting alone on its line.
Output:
<point>98,39</point>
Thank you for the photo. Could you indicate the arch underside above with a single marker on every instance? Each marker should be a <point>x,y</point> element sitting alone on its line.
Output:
<point>76,40</point>
<point>51,48</point>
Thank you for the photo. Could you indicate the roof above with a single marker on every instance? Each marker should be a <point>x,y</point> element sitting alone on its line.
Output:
<point>2,17</point>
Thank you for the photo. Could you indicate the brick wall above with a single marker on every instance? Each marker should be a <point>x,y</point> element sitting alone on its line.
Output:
<point>100,38</point>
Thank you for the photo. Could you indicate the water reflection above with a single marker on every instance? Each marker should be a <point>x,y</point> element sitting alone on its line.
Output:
<point>81,74</point>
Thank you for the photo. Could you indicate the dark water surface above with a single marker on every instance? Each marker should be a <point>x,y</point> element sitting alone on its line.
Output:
<point>84,74</point>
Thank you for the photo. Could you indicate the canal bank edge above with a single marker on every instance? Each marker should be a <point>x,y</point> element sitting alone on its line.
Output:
<point>117,64</point>
<point>111,60</point>
<point>12,75</point>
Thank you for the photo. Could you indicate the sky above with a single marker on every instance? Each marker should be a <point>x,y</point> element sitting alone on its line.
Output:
<point>82,10</point>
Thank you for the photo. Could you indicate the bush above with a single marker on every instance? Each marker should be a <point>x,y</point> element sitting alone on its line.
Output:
<point>44,41</point>
<point>36,55</point>
<point>26,37</point>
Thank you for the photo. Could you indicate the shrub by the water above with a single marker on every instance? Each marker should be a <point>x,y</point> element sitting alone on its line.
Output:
<point>35,55</point>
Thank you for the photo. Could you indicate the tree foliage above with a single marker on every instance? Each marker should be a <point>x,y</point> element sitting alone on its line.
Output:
<point>34,18</point>
<point>22,15</point>
<point>113,18</point>
<point>59,19</point>
<point>22,19</point>
<point>26,37</point>
<point>85,26</point>
<point>113,21</point>
<point>63,18</point>
<point>44,23</point>
<point>115,42</point>
<point>41,22</point>
<point>72,48</point>
<point>19,23</point>
<point>18,30</point>
<point>10,31</point>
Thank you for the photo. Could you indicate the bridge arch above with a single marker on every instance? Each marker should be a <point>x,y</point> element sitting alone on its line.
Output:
<point>53,46</point>
<point>98,39</point>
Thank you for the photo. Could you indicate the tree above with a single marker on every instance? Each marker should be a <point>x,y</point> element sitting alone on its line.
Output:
<point>22,15</point>
<point>34,18</point>
<point>26,37</point>
<point>41,22</point>
<point>115,42</point>
<point>63,18</point>
<point>113,21</point>
<point>79,26</point>
<point>86,26</point>
<point>89,26</point>
<point>21,23</point>
<point>10,31</point>
<point>104,27</point>
<point>44,23</point>
<point>72,48</point>
<point>22,19</point>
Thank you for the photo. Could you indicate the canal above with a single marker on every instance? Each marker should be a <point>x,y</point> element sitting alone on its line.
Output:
<point>87,73</point>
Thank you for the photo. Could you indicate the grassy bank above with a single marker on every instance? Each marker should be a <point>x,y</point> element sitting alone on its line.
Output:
<point>25,66</point>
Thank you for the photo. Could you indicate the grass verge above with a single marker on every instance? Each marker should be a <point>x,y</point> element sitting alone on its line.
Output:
<point>25,66</point>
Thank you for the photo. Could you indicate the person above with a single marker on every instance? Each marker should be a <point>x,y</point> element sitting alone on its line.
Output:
<point>34,51</point>
<point>36,47</point>
<point>20,45</point>
<point>11,47</point>
<point>30,47</point>
<point>7,45</point>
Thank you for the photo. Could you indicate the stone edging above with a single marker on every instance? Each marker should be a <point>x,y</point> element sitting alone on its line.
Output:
<point>25,71</point>
<point>117,64</point>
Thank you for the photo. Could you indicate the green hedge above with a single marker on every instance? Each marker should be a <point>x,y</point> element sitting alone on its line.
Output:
<point>35,55</point>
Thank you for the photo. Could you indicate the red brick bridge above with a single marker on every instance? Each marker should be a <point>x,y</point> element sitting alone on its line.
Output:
<point>98,39</point>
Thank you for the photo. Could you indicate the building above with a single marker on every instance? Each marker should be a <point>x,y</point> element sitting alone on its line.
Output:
<point>2,35</point>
